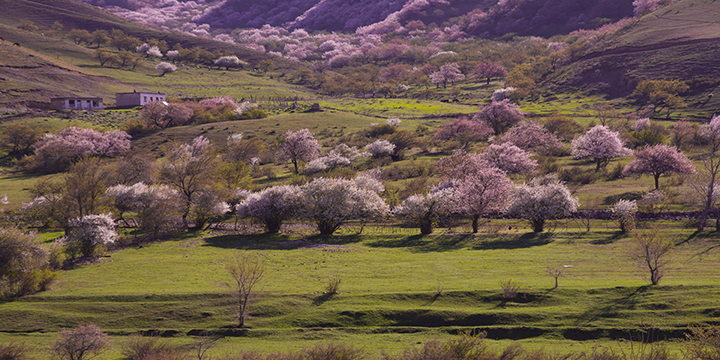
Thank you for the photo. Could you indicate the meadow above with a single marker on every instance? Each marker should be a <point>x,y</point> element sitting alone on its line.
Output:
<point>397,288</point>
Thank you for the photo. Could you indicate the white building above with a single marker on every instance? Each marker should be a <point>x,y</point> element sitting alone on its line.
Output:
<point>137,98</point>
<point>76,103</point>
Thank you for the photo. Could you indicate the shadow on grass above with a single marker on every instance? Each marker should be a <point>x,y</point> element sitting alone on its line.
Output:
<point>516,242</point>
<point>425,243</point>
<point>609,240</point>
<point>278,241</point>
<point>612,308</point>
<point>323,299</point>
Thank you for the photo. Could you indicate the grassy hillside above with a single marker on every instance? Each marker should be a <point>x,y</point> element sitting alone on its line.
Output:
<point>675,42</point>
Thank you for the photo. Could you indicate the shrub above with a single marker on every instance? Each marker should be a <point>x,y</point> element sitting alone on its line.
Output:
<point>151,348</point>
<point>23,264</point>
<point>89,233</point>
<point>14,351</point>
<point>624,211</point>
<point>333,286</point>
<point>510,288</point>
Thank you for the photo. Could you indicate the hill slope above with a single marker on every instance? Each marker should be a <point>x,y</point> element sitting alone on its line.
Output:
<point>27,75</point>
<point>73,14</point>
<point>676,42</point>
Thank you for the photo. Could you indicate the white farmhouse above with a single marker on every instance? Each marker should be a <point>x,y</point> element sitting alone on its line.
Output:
<point>76,103</point>
<point>137,98</point>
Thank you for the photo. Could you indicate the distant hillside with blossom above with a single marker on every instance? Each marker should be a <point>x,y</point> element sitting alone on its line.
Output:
<point>486,18</point>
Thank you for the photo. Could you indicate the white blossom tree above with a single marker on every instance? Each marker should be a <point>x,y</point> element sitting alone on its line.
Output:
<point>543,198</point>
<point>380,148</point>
<point>601,144</point>
<point>330,202</point>
<point>298,146</point>
<point>90,231</point>
<point>165,67</point>
<point>272,206</point>
<point>426,210</point>
<point>229,62</point>
<point>190,169</point>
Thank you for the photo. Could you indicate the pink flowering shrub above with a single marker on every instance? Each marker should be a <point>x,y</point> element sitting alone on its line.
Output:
<point>658,160</point>
<point>601,144</point>
<point>509,158</point>
<point>54,153</point>
<point>531,136</point>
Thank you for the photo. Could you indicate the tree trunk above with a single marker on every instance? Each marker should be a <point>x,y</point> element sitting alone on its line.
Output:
<point>426,227</point>
<point>657,181</point>
<point>538,225</point>
<point>273,226</point>
<point>475,224</point>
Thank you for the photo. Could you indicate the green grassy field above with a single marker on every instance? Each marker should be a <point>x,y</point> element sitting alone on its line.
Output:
<point>389,292</point>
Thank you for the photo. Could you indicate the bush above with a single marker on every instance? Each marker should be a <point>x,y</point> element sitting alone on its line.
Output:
<point>333,286</point>
<point>576,175</point>
<point>89,233</point>
<point>624,211</point>
<point>14,351</point>
<point>510,288</point>
<point>151,349</point>
<point>24,266</point>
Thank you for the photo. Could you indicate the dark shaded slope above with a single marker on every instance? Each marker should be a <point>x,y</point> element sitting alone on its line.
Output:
<point>256,13</point>
<point>681,41</point>
<point>551,17</point>
<point>347,15</point>
<point>74,14</point>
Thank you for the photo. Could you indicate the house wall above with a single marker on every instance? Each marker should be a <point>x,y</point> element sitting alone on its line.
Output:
<point>77,103</point>
<point>136,99</point>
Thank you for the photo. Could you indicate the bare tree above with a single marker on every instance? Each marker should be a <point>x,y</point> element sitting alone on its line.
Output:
<point>555,272</point>
<point>651,249</point>
<point>246,270</point>
<point>87,341</point>
<point>710,134</point>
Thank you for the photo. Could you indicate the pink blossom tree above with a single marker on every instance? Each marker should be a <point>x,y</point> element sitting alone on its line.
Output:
<point>601,144</point>
<point>488,70</point>
<point>509,158</point>
<point>464,131</point>
<point>55,152</point>
<point>447,73</point>
<point>531,136</point>
<point>298,146</point>
<point>481,193</point>
<point>658,160</point>
<point>500,115</point>
<point>543,198</point>
<point>162,115</point>
<point>460,164</point>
